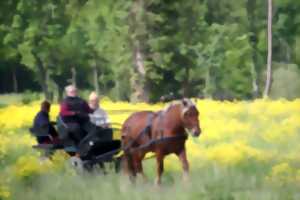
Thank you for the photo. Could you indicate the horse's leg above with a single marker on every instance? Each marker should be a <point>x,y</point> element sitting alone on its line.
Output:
<point>139,170</point>
<point>185,164</point>
<point>139,165</point>
<point>160,167</point>
<point>125,164</point>
<point>128,166</point>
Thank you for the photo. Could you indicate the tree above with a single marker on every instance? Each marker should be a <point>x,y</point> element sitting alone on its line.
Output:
<point>8,39</point>
<point>38,24</point>
<point>269,63</point>
<point>108,42</point>
<point>128,49</point>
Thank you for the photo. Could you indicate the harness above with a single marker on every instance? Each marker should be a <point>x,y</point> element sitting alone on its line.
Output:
<point>147,130</point>
<point>160,140</point>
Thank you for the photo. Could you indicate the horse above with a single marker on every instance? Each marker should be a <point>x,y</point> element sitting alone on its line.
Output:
<point>163,133</point>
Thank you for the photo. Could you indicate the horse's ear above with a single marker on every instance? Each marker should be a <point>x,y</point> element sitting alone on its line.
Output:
<point>185,102</point>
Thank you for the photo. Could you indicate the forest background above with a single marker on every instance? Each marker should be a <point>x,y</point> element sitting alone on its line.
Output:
<point>126,50</point>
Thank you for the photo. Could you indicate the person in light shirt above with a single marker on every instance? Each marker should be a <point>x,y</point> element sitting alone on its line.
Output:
<point>98,117</point>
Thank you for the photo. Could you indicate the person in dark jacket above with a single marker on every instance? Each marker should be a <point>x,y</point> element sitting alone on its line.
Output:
<point>74,112</point>
<point>42,124</point>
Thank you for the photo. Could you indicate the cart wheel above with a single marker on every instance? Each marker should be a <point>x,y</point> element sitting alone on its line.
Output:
<point>76,163</point>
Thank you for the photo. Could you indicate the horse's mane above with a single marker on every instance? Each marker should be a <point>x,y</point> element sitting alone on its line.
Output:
<point>186,103</point>
<point>169,105</point>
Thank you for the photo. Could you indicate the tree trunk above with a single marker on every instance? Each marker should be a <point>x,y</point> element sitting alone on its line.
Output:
<point>269,62</point>
<point>138,82</point>
<point>44,82</point>
<point>96,79</point>
<point>207,92</point>
<point>73,76</point>
<point>140,91</point>
<point>43,77</point>
<point>254,81</point>
<point>210,82</point>
<point>60,92</point>
<point>186,83</point>
<point>15,80</point>
<point>251,7</point>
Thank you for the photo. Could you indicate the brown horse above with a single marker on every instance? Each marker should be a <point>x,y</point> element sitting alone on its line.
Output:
<point>162,132</point>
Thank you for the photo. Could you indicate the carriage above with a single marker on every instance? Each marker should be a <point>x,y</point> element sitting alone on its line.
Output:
<point>100,148</point>
<point>163,132</point>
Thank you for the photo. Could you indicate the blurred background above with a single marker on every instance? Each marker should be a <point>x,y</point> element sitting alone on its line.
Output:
<point>148,50</point>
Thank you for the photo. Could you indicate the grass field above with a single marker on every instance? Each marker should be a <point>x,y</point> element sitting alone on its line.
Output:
<point>248,150</point>
<point>7,99</point>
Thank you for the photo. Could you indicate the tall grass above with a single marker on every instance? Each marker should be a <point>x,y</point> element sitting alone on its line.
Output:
<point>248,150</point>
<point>208,182</point>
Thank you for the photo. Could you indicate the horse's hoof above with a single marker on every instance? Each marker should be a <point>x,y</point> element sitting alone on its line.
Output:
<point>157,182</point>
<point>141,178</point>
<point>186,178</point>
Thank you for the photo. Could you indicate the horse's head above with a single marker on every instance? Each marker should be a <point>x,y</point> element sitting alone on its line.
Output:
<point>190,117</point>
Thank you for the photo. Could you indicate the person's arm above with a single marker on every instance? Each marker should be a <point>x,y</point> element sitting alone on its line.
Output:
<point>107,120</point>
<point>87,108</point>
<point>65,111</point>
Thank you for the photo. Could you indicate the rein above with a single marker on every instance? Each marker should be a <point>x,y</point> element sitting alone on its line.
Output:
<point>107,155</point>
<point>145,131</point>
<point>160,140</point>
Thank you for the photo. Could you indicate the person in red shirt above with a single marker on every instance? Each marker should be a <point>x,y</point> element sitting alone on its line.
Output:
<point>74,112</point>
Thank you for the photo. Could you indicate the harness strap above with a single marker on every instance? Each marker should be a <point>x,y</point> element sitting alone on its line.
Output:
<point>146,130</point>
<point>158,138</point>
<point>161,121</point>
<point>157,141</point>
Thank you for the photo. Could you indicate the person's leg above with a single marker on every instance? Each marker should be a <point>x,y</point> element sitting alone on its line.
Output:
<point>88,127</point>
<point>43,140</point>
<point>86,142</point>
<point>91,132</point>
<point>105,134</point>
<point>54,135</point>
<point>74,132</point>
<point>52,131</point>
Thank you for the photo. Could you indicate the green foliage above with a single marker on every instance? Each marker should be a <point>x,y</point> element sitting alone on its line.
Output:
<point>29,96</point>
<point>7,99</point>
<point>212,48</point>
<point>286,82</point>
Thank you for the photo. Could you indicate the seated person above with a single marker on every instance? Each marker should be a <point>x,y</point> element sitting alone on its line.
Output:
<point>74,112</point>
<point>98,117</point>
<point>99,140</point>
<point>43,126</point>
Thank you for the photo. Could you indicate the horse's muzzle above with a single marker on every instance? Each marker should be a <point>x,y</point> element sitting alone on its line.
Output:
<point>196,132</point>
